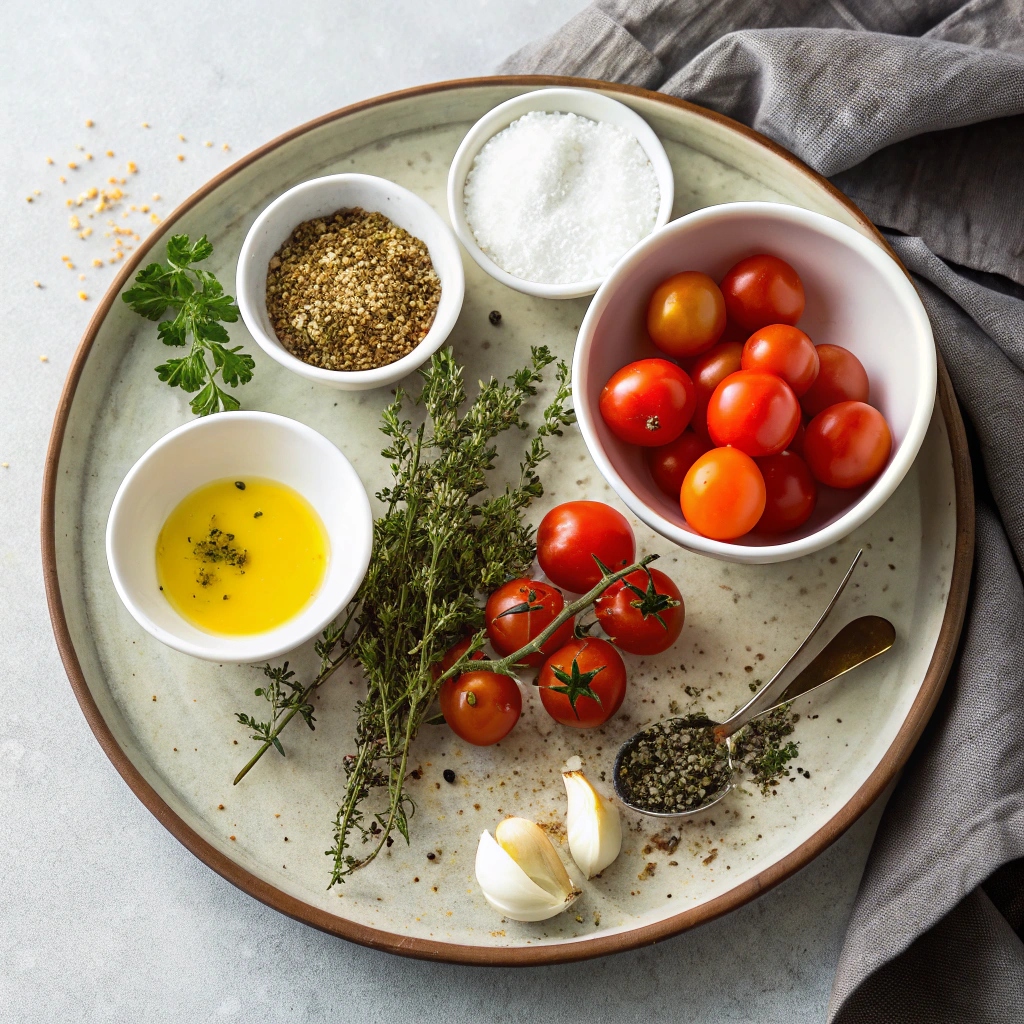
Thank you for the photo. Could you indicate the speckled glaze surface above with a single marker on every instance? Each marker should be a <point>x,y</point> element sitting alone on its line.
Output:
<point>172,717</point>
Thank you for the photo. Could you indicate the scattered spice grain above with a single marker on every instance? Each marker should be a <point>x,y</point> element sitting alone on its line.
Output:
<point>351,291</point>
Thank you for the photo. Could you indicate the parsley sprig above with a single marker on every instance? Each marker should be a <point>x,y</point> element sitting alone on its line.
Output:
<point>200,308</point>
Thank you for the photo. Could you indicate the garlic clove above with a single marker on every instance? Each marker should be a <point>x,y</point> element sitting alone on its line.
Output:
<point>520,873</point>
<point>592,824</point>
<point>529,846</point>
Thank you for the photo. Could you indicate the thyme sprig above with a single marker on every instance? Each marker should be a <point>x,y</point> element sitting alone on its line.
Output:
<point>288,698</point>
<point>439,545</point>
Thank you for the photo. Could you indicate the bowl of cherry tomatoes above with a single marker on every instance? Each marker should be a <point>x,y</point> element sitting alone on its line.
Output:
<point>755,380</point>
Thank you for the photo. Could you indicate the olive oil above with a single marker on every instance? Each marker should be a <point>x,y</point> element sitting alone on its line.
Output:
<point>242,556</point>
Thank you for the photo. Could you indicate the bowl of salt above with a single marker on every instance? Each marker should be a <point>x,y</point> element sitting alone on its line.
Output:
<point>549,190</point>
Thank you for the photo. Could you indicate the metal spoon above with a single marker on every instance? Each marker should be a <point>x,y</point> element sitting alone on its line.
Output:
<point>856,643</point>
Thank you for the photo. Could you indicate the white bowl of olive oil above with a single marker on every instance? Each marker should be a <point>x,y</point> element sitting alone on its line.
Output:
<point>238,537</point>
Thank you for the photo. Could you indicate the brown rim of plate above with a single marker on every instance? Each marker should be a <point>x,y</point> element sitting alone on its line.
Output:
<point>427,949</point>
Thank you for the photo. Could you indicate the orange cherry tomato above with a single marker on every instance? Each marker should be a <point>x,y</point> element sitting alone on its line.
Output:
<point>790,493</point>
<point>481,707</point>
<point>841,378</point>
<point>522,609</point>
<point>669,463</point>
<point>785,351</point>
<point>686,314</point>
<point>648,402</point>
<point>762,290</point>
<point>723,495</point>
<point>848,444</point>
<point>755,412</point>
<point>583,684</point>
<point>708,371</point>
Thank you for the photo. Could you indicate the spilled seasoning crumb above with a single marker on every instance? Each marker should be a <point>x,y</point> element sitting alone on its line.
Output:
<point>352,291</point>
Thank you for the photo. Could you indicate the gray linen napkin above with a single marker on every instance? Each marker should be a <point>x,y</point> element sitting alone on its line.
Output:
<point>915,109</point>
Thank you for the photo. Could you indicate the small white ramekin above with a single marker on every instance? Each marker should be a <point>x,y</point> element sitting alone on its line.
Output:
<point>585,102</point>
<point>857,297</point>
<point>320,197</point>
<point>237,445</point>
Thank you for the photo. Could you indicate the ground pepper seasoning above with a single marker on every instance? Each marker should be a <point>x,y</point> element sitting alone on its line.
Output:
<point>675,765</point>
<point>351,291</point>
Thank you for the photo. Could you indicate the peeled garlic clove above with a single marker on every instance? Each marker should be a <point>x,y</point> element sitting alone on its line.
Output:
<point>592,824</point>
<point>520,873</point>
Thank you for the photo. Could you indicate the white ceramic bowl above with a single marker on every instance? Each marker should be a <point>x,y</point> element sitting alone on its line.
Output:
<point>585,102</point>
<point>237,444</point>
<point>857,296</point>
<point>318,198</point>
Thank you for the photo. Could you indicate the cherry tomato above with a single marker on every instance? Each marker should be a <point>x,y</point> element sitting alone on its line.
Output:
<point>790,493</point>
<point>521,610</point>
<point>708,371</point>
<point>755,412</point>
<point>648,402</point>
<point>797,444</point>
<point>848,444</point>
<point>785,351</point>
<point>841,378</point>
<point>452,655</point>
<point>583,684</point>
<point>642,614</point>
<point>686,314</point>
<point>572,533</point>
<point>723,495</point>
<point>762,290</point>
<point>669,463</point>
<point>481,707</point>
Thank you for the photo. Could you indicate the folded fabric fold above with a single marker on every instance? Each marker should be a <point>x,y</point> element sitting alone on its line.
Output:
<point>916,110</point>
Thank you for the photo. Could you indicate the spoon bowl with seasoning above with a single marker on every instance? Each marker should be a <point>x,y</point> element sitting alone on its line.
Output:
<point>350,280</point>
<point>679,767</point>
<point>238,537</point>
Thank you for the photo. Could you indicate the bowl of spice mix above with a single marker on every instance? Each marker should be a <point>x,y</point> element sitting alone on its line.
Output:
<point>350,280</point>
<point>549,190</point>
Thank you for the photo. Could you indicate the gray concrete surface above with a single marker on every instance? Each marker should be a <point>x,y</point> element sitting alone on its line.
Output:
<point>105,917</point>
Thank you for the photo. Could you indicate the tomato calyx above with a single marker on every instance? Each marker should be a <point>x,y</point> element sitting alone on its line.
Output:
<point>650,602</point>
<point>576,684</point>
<point>524,606</point>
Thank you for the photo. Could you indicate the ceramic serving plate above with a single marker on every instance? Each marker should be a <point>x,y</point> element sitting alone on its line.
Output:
<point>167,721</point>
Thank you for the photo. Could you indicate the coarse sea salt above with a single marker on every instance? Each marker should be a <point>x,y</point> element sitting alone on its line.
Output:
<point>557,198</point>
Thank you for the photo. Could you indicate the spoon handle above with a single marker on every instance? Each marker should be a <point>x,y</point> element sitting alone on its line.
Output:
<point>768,696</point>
<point>857,642</point>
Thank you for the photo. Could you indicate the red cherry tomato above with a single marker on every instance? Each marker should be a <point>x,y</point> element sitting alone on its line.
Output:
<point>642,614</point>
<point>669,463</point>
<point>753,411</point>
<point>841,378</point>
<point>583,684</point>
<point>521,610</point>
<point>790,493</point>
<point>708,371</point>
<point>572,533</point>
<point>481,707</point>
<point>686,314</point>
<point>648,402</point>
<point>723,495</point>
<point>797,444</point>
<point>452,655</point>
<point>785,351</point>
<point>848,444</point>
<point>762,290</point>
